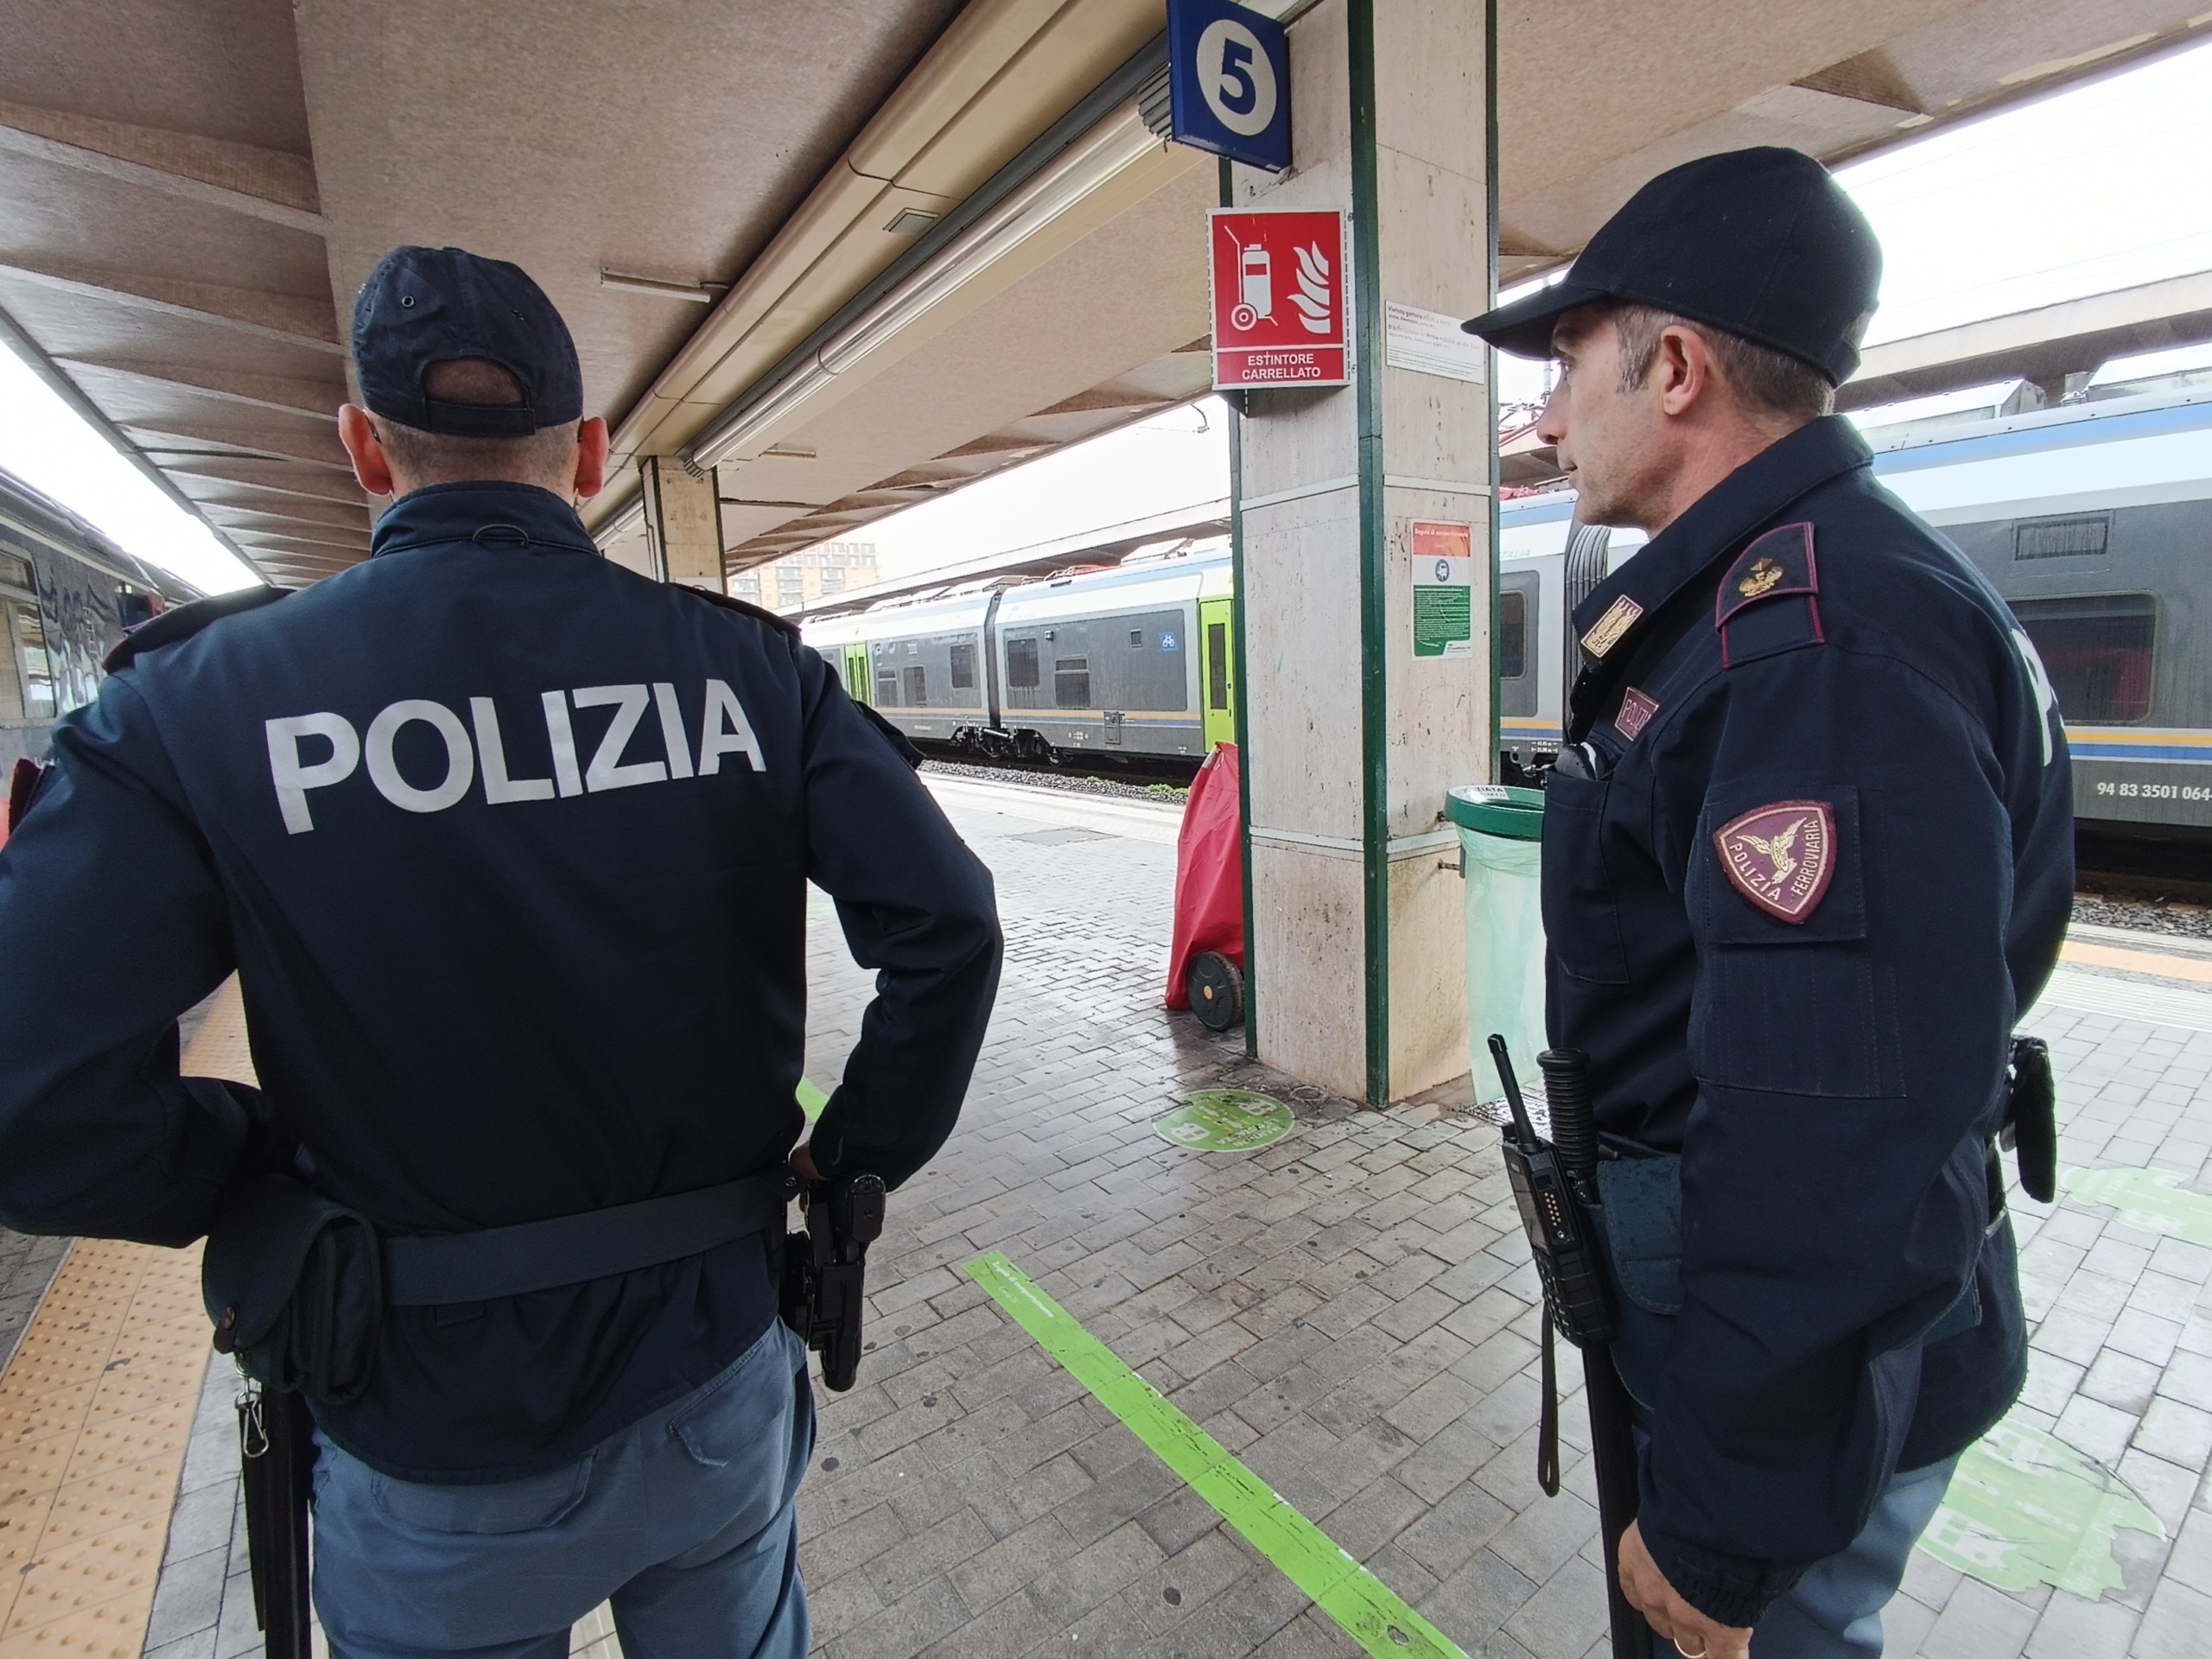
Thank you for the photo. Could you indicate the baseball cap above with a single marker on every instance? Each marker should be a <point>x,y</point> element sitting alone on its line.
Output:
<point>426,306</point>
<point>1763,243</point>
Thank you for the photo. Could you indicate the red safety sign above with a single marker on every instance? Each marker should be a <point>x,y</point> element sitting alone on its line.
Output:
<point>1279,299</point>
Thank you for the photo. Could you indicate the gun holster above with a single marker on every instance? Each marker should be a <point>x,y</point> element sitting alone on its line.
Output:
<point>295,1284</point>
<point>2031,1131</point>
<point>824,1272</point>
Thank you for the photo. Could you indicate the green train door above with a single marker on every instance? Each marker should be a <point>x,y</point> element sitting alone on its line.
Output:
<point>1217,634</point>
<point>856,673</point>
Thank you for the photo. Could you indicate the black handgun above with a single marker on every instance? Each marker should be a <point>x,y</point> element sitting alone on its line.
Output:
<point>825,1269</point>
<point>1566,1253</point>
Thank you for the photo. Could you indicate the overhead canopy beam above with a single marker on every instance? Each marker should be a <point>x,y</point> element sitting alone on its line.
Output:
<point>294,398</point>
<point>265,184</point>
<point>2044,345</point>
<point>169,434</point>
<point>284,318</point>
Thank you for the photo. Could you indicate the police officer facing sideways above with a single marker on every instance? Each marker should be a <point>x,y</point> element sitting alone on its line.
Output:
<point>510,848</point>
<point>1808,856</point>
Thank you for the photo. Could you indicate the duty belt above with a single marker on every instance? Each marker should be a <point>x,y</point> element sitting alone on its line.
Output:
<point>438,1270</point>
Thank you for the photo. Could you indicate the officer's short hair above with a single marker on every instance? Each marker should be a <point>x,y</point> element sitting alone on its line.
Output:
<point>453,458</point>
<point>1770,382</point>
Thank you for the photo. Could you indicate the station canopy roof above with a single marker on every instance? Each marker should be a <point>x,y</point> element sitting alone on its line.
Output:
<point>849,256</point>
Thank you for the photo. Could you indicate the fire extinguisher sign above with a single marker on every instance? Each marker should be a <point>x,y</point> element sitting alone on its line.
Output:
<point>1280,290</point>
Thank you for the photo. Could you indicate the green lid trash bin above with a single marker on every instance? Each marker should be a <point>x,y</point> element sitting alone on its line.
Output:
<point>1500,842</point>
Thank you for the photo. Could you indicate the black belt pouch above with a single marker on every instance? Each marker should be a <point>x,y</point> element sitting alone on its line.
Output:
<point>294,1285</point>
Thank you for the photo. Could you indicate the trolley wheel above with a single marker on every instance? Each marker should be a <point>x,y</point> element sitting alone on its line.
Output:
<point>1216,987</point>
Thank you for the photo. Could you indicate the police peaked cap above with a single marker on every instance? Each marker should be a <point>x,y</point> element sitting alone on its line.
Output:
<point>421,306</point>
<point>1763,243</point>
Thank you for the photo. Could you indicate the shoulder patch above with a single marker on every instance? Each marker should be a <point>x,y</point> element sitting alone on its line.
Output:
<point>185,620</point>
<point>781,624</point>
<point>1781,857</point>
<point>1778,565</point>
<point>1781,562</point>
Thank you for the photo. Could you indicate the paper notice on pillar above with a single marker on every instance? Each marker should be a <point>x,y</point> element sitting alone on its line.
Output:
<point>1444,589</point>
<point>1430,342</point>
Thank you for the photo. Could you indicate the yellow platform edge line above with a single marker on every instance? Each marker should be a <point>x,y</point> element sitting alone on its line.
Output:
<point>96,1406</point>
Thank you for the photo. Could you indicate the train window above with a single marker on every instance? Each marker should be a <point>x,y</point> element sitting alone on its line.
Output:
<point>1512,636</point>
<point>2097,650</point>
<point>32,660</point>
<point>1137,638</point>
<point>1071,682</point>
<point>11,684</point>
<point>887,687</point>
<point>2081,537</point>
<point>963,667</point>
<point>918,686</point>
<point>1021,665</point>
<point>1217,664</point>
<point>16,573</point>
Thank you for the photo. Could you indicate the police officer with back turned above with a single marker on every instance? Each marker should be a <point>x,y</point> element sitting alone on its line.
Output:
<point>510,848</point>
<point>1808,857</point>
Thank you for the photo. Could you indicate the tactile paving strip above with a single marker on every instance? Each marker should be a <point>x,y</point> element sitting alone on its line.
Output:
<point>95,1408</point>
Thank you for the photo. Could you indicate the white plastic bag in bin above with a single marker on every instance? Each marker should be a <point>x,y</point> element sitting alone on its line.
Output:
<point>1500,839</point>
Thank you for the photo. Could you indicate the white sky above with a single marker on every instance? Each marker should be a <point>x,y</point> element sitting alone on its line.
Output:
<point>47,445</point>
<point>2105,186</point>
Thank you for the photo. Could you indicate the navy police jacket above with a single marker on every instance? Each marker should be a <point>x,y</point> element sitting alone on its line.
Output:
<point>1822,861</point>
<point>510,848</point>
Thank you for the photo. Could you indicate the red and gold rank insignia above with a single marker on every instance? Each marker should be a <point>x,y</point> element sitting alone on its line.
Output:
<point>1781,857</point>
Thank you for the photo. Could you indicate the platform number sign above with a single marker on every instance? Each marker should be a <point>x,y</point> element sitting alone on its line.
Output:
<point>1229,82</point>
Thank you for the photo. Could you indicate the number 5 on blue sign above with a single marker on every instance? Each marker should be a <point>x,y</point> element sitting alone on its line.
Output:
<point>1229,82</point>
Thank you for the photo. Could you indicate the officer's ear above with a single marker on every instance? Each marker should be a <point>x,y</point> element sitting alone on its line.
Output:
<point>371,465</point>
<point>1683,372</point>
<point>591,445</point>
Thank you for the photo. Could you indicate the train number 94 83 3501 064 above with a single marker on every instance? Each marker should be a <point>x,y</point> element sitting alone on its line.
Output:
<point>2157,792</point>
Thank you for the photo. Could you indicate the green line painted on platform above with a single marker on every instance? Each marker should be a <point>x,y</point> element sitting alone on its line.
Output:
<point>2149,1200</point>
<point>2026,1508</point>
<point>1370,1612</point>
<point>811,1100</point>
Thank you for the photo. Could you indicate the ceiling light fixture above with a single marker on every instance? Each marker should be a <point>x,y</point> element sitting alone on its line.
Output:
<point>1087,167</point>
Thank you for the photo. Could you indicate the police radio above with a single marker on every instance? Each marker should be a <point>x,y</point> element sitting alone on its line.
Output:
<point>1550,1186</point>
<point>825,1268</point>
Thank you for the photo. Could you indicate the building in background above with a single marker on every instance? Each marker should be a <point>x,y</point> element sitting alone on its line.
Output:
<point>799,580</point>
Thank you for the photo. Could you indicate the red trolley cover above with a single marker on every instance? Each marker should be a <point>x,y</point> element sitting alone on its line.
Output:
<point>1209,871</point>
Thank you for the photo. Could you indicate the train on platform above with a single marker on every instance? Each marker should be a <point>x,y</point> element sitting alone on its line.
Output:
<point>66,595</point>
<point>1130,662</point>
<point>2093,520</point>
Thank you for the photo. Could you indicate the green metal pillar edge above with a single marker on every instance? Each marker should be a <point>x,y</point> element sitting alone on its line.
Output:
<point>1490,302</point>
<point>1236,680</point>
<point>1374,639</point>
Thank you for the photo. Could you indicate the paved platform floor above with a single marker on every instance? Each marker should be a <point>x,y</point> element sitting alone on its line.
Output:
<point>1351,1312</point>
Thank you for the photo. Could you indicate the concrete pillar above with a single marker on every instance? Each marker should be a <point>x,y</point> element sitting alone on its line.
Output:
<point>684,523</point>
<point>1357,953</point>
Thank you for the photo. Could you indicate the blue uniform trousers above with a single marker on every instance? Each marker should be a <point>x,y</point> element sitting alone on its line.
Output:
<point>684,1521</point>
